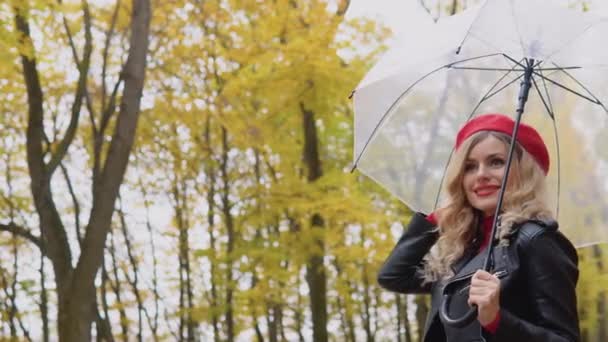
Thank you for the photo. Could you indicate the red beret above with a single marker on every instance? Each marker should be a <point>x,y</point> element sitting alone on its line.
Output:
<point>527,136</point>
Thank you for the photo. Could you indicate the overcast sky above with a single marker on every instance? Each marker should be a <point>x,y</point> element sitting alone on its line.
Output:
<point>400,15</point>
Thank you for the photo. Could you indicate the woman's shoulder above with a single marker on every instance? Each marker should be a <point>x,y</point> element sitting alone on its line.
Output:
<point>532,228</point>
<point>537,233</point>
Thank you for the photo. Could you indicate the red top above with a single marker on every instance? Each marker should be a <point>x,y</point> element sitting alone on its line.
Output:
<point>486,225</point>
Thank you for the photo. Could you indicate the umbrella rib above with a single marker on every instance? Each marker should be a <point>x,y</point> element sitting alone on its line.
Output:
<point>509,58</point>
<point>548,96</point>
<point>470,27</point>
<point>549,109</point>
<point>559,163</point>
<point>558,68</point>
<point>542,98</point>
<point>445,168</point>
<point>486,69</point>
<point>513,60</point>
<point>568,89</point>
<point>490,95</point>
<point>450,65</point>
<point>503,87</point>
<point>575,80</point>
<point>597,101</point>
<point>487,96</point>
<point>519,62</point>
<point>506,69</point>
<point>405,92</point>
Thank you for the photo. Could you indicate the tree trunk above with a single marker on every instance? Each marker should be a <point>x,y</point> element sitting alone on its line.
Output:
<point>180,197</point>
<point>152,320</point>
<point>104,329</point>
<point>298,315</point>
<point>404,331</point>
<point>210,172</point>
<point>344,307</point>
<point>75,286</point>
<point>315,270</point>
<point>10,290</point>
<point>117,288</point>
<point>422,310</point>
<point>44,302</point>
<point>400,317</point>
<point>367,324</point>
<point>602,303</point>
<point>132,282</point>
<point>231,235</point>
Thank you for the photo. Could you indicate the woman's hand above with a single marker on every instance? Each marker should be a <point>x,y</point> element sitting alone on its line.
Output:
<point>485,293</point>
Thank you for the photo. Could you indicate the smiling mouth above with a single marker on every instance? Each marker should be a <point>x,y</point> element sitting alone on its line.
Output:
<point>483,192</point>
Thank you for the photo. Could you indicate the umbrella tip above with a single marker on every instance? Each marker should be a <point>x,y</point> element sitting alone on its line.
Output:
<point>458,50</point>
<point>352,93</point>
<point>352,168</point>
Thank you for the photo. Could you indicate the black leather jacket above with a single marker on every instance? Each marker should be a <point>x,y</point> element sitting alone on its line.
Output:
<point>538,274</point>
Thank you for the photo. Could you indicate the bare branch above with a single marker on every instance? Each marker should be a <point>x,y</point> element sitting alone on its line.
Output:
<point>105,325</point>
<point>99,133</point>
<point>133,282</point>
<point>70,39</point>
<point>152,321</point>
<point>106,50</point>
<point>111,107</point>
<point>75,201</point>
<point>83,68</point>
<point>20,231</point>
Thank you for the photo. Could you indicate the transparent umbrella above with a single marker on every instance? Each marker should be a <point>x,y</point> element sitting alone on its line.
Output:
<point>501,56</point>
<point>409,107</point>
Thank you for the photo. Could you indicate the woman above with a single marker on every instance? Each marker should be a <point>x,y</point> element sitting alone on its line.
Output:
<point>530,294</point>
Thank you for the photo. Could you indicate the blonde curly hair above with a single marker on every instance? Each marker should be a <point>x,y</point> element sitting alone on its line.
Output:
<point>458,221</point>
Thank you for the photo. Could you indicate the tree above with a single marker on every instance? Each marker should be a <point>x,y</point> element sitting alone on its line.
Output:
<point>113,136</point>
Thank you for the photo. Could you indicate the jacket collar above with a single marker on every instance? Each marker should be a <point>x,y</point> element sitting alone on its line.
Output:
<point>472,259</point>
<point>468,263</point>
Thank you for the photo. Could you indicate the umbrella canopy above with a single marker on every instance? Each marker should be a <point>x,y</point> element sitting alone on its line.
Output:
<point>410,106</point>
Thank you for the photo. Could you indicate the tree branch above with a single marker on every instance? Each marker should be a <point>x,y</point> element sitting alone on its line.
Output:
<point>35,131</point>
<point>108,106</point>
<point>56,244</point>
<point>106,188</point>
<point>106,51</point>
<point>75,201</point>
<point>20,231</point>
<point>83,68</point>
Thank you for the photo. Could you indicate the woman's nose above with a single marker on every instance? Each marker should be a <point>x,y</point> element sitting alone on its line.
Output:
<point>483,171</point>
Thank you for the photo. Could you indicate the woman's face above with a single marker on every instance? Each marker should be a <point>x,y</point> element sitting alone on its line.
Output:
<point>484,169</point>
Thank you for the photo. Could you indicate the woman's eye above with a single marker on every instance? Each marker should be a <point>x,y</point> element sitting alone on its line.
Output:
<point>497,162</point>
<point>469,167</point>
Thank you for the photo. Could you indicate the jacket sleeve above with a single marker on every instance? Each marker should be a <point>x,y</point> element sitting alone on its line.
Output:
<point>400,272</point>
<point>550,263</point>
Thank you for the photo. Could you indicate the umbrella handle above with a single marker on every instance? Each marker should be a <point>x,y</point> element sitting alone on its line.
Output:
<point>458,322</point>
